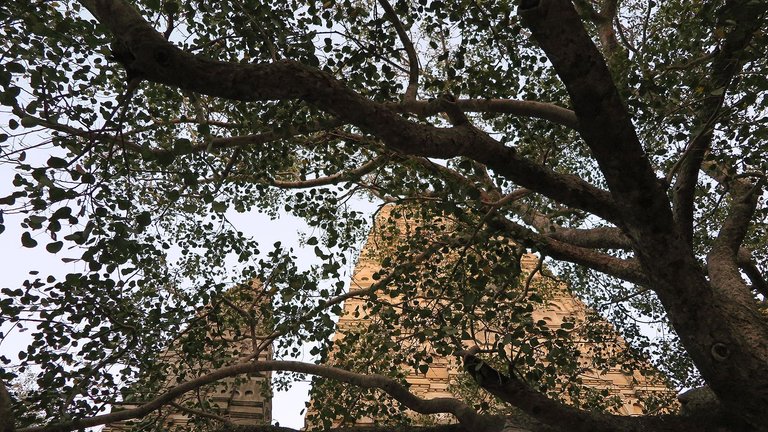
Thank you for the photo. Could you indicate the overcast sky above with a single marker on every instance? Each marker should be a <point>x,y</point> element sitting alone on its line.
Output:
<point>18,261</point>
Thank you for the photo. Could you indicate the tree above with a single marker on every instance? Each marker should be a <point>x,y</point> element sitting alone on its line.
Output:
<point>623,141</point>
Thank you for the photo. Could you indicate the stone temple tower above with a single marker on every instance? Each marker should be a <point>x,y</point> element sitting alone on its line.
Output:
<point>229,329</point>
<point>627,388</point>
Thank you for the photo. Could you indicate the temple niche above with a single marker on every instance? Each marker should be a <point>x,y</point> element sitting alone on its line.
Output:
<point>601,364</point>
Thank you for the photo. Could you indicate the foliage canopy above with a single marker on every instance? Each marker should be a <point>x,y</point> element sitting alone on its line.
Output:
<point>623,141</point>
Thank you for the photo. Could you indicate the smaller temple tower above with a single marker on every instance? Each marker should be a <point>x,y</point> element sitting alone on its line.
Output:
<point>232,328</point>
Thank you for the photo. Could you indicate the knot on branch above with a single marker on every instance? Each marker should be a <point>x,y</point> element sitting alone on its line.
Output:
<point>720,352</point>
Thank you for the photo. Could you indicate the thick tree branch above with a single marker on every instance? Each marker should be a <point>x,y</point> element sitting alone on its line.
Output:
<point>604,121</point>
<point>723,260</point>
<point>534,109</point>
<point>571,245</point>
<point>720,329</point>
<point>595,238</point>
<point>600,237</point>
<point>514,391</point>
<point>153,58</point>
<point>466,415</point>
<point>737,222</point>
<point>625,269</point>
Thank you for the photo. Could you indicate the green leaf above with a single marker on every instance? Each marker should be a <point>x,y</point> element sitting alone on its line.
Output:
<point>54,247</point>
<point>55,162</point>
<point>219,207</point>
<point>27,240</point>
<point>14,67</point>
<point>144,219</point>
<point>28,122</point>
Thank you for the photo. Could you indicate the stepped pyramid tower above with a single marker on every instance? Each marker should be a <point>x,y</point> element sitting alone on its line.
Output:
<point>633,388</point>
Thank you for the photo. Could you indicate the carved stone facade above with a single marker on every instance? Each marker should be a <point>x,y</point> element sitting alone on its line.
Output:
<point>246,402</point>
<point>631,387</point>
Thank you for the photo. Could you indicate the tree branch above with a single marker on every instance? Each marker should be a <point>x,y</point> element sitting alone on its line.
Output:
<point>711,320</point>
<point>215,143</point>
<point>625,269</point>
<point>413,59</point>
<point>534,109</point>
<point>512,390</point>
<point>466,415</point>
<point>748,266</point>
<point>200,413</point>
<point>594,238</point>
<point>722,260</point>
<point>745,19</point>
<point>353,174</point>
<point>600,237</point>
<point>155,59</point>
<point>604,121</point>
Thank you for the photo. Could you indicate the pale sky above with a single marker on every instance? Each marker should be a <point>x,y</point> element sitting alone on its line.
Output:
<point>17,261</point>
